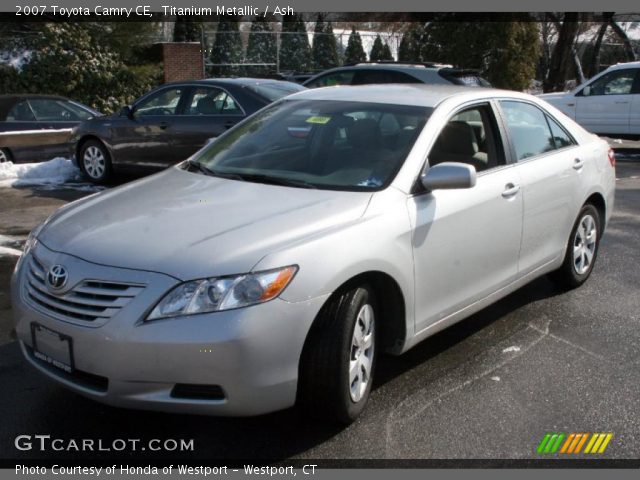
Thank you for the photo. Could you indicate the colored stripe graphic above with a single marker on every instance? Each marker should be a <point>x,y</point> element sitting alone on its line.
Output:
<point>573,443</point>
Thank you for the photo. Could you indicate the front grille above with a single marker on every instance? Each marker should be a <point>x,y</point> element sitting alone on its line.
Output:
<point>90,300</point>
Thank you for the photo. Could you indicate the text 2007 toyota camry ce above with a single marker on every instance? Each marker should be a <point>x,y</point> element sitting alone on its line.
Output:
<point>274,265</point>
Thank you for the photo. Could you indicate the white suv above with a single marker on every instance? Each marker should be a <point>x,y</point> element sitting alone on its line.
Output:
<point>608,103</point>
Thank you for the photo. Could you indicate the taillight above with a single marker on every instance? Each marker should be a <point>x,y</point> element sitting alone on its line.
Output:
<point>612,157</point>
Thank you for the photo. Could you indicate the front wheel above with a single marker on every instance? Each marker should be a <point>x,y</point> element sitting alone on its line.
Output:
<point>582,249</point>
<point>95,161</point>
<point>338,360</point>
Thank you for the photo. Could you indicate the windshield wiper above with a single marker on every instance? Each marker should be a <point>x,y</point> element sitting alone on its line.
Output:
<point>287,182</point>
<point>213,173</point>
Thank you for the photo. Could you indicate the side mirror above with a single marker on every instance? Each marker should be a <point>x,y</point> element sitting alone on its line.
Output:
<point>586,91</point>
<point>127,111</point>
<point>448,175</point>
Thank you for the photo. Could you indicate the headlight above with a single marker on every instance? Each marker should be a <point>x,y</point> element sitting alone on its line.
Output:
<point>32,241</point>
<point>223,293</point>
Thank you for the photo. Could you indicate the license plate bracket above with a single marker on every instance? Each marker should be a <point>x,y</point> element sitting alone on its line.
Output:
<point>52,347</point>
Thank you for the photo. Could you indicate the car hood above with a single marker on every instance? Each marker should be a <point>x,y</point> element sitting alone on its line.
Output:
<point>191,226</point>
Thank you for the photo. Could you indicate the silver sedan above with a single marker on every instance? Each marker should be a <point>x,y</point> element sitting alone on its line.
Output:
<point>272,267</point>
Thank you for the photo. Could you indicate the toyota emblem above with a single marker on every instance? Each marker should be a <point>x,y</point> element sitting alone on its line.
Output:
<point>57,277</point>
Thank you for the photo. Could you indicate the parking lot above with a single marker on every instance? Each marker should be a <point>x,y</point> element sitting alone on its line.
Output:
<point>490,387</point>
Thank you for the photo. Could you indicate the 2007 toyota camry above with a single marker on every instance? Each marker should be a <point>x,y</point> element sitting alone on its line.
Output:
<point>274,265</point>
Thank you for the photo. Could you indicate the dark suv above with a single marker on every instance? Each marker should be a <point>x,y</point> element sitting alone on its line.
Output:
<point>396,72</point>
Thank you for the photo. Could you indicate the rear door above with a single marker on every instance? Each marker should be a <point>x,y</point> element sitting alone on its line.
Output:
<point>19,118</point>
<point>208,112</point>
<point>607,107</point>
<point>634,117</point>
<point>549,164</point>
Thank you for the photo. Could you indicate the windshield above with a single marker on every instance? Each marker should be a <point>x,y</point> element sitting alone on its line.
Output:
<point>317,144</point>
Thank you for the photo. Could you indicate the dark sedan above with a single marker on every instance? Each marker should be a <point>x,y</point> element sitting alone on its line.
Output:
<point>170,123</point>
<point>23,113</point>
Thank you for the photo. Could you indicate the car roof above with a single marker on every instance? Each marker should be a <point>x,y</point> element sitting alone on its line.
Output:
<point>422,95</point>
<point>619,66</point>
<point>240,81</point>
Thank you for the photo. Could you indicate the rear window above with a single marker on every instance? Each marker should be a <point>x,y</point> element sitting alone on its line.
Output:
<point>467,78</point>
<point>275,91</point>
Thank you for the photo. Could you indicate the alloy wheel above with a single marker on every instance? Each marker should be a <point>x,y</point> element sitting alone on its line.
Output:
<point>361,358</point>
<point>584,244</point>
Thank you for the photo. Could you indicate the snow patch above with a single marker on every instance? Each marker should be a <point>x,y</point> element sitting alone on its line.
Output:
<point>8,251</point>
<point>495,379</point>
<point>54,173</point>
<point>513,348</point>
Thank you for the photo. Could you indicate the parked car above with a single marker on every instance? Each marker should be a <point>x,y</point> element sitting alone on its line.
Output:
<point>396,72</point>
<point>271,267</point>
<point>21,113</point>
<point>607,104</point>
<point>170,123</point>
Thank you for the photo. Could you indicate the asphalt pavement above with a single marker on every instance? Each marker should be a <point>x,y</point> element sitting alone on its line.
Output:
<point>489,387</point>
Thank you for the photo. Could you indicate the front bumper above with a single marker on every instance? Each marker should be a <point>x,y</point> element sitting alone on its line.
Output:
<point>251,353</point>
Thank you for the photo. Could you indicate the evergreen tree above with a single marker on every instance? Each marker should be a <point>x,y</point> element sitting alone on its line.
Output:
<point>354,52</point>
<point>325,48</point>
<point>380,52</point>
<point>187,29</point>
<point>505,53</point>
<point>295,52</point>
<point>227,49</point>
<point>261,48</point>
<point>410,45</point>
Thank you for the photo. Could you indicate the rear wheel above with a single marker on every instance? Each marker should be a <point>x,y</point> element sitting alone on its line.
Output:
<point>337,364</point>
<point>582,249</point>
<point>95,161</point>
<point>5,155</point>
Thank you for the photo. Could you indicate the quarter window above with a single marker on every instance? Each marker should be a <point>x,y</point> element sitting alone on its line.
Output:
<point>560,137</point>
<point>528,129</point>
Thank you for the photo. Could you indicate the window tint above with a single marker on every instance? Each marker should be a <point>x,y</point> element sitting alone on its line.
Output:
<point>55,111</point>
<point>211,101</point>
<point>528,129</point>
<point>560,137</point>
<point>469,137</point>
<point>164,102</point>
<point>21,112</point>
<point>337,78</point>
<point>617,82</point>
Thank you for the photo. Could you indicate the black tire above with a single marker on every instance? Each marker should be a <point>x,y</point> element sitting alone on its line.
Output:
<point>95,161</point>
<point>5,155</point>
<point>574,273</point>
<point>324,387</point>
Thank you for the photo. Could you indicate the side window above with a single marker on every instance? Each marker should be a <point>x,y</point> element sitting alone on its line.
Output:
<point>470,137</point>
<point>337,78</point>
<point>52,111</point>
<point>211,101</point>
<point>21,112</point>
<point>164,102</point>
<point>528,129</point>
<point>618,82</point>
<point>560,137</point>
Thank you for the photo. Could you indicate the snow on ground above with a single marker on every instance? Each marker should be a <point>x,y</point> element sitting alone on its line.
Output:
<point>11,245</point>
<point>56,173</point>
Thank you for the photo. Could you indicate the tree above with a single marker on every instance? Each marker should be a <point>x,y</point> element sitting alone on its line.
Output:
<point>506,53</point>
<point>562,53</point>
<point>354,52</point>
<point>295,52</point>
<point>187,29</point>
<point>410,49</point>
<point>261,48</point>
<point>226,53</point>
<point>325,49</point>
<point>380,52</point>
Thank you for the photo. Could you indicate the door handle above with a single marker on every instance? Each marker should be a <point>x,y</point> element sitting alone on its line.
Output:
<point>163,125</point>
<point>510,190</point>
<point>578,164</point>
